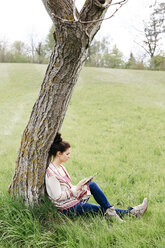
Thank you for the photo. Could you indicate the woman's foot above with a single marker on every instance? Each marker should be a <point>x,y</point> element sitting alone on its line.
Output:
<point>140,210</point>
<point>111,213</point>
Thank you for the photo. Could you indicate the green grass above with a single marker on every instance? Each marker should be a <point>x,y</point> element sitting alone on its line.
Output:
<point>115,124</point>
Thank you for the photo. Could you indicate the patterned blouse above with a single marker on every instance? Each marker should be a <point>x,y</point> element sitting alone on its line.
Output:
<point>61,191</point>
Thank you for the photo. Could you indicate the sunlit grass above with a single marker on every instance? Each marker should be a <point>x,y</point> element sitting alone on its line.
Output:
<point>115,124</point>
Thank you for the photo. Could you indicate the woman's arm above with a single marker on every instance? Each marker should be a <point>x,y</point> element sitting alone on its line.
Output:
<point>53,188</point>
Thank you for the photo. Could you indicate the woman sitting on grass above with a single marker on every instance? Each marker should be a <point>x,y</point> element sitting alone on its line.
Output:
<point>73,199</point>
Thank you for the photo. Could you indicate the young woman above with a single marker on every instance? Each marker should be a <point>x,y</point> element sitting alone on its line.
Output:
<point>73,199</point>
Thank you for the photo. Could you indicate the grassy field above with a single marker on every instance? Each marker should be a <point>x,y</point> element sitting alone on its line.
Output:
<point>116,126</point>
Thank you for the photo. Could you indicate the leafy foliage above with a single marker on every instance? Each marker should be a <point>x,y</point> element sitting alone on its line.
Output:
<point>158,62</point>
<point>102,55</point>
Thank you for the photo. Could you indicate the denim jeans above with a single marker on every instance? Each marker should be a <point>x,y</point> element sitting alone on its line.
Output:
<point>85,207</point>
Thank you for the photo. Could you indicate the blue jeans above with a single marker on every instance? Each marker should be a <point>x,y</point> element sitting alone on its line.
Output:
<point>85,207</point>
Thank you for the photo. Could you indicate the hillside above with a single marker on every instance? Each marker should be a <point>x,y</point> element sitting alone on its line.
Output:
<point>115,124</point>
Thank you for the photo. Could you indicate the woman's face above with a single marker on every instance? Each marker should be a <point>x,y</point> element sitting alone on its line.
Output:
<point>64,156</point>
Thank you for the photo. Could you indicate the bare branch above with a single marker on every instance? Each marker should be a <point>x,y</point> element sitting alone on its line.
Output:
<point>102,19</point>
<point>121,3</point>
<point>142,47</point>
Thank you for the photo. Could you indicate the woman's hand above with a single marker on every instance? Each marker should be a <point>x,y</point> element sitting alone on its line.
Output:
<point>80,184</point>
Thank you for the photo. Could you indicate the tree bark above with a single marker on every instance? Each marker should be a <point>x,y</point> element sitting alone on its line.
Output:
<point>72,40</point>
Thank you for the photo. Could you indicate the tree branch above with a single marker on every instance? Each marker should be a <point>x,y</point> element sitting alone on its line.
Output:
<point>102,4</point>
<point>142,47</point>
<point>90,9</point>
<point>76,17</point>
<point>102,19</point>
<point>61,8</point>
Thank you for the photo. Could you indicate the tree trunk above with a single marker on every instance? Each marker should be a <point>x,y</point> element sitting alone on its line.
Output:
<point>72,40</point>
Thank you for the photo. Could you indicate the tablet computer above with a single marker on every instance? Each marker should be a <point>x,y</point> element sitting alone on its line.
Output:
<point>90,178</point>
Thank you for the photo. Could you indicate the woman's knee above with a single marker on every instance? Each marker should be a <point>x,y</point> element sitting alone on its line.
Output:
<point>92,185</point>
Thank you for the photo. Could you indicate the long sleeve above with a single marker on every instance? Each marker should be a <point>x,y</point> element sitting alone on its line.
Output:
<point>54,190</point>
<point>60,189</point>
<point>74,191</point>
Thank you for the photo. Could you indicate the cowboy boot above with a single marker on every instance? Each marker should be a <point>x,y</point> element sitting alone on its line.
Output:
<point>111,213</point>
<point>140,210</point>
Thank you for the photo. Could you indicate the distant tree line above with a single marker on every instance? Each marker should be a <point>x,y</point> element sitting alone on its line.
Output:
<point>101,53</point>
<point>33,52</point>
<point>19,52</point>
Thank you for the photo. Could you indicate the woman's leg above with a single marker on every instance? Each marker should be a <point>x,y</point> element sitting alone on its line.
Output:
<point>99,196</point>
<point>82,208</point>
<point>102,200</point>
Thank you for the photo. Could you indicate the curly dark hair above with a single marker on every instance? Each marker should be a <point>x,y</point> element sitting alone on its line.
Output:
<point>58,145</point>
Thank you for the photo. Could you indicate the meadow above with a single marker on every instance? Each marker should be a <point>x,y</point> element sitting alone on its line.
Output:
<point>115,124</point>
